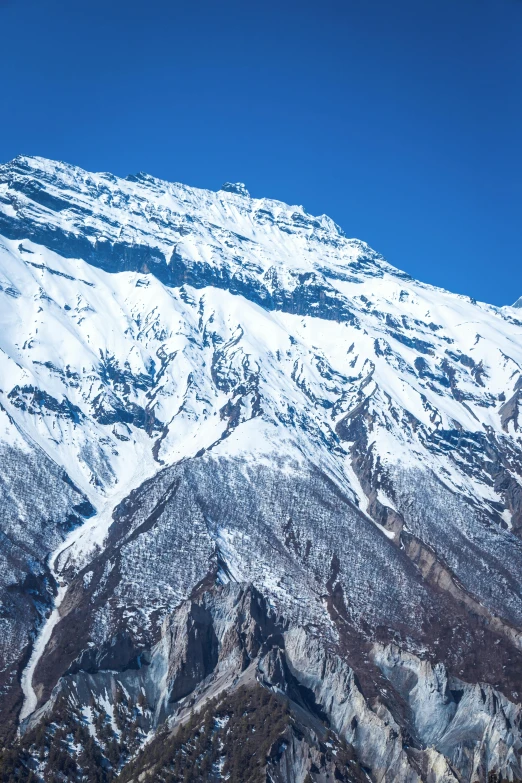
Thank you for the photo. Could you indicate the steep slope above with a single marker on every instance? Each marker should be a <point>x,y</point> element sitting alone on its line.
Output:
<point>230,692</point>
<point>228,389</point>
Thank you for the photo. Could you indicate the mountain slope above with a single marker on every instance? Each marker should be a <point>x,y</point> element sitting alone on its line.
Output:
<point>224,389</point>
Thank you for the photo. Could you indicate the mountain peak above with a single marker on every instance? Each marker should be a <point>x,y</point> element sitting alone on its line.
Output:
<point>202,391</point>
<point>235,187</point>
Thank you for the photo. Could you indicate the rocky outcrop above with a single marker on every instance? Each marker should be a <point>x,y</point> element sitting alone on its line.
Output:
<point>447,712</point>
<point>421,724</point>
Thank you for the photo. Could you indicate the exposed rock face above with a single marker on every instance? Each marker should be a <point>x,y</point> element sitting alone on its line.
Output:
<point>201,389</point>
<point>446,711</point>
<point>235,187</point>
<point>421,724</point>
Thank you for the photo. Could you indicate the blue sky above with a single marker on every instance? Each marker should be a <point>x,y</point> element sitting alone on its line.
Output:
<point>401,120</point>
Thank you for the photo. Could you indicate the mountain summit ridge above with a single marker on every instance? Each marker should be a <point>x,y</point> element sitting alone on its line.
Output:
<point>199,388</point>
<point>24,169</point>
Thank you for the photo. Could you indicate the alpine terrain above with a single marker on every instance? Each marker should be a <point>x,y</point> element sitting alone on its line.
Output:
<point>261,497</point>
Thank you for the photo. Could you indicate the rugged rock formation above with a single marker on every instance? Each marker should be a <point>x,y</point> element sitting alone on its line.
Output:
<point>417,723</point>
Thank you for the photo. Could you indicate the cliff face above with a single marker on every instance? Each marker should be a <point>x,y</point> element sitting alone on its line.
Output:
<point>405,720</point>
<point>201,391</point>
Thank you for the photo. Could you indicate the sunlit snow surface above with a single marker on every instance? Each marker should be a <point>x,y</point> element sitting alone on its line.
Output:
<point>283,328</point>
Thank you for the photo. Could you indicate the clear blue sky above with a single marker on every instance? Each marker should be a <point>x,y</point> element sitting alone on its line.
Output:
<point>401,120</point>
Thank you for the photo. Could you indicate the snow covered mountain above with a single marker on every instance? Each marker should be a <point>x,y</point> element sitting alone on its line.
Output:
<point>202,388</point>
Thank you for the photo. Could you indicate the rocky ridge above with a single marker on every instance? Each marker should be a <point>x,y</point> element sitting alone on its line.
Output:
<point>225,640</point>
